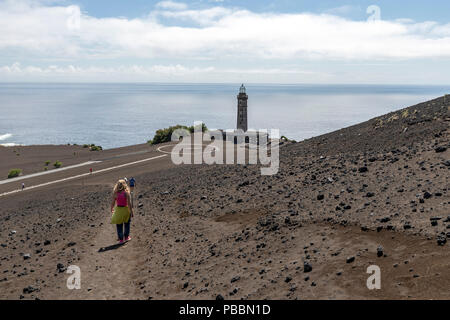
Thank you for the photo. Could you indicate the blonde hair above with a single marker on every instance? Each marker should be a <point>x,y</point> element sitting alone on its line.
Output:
<point>120,186</point>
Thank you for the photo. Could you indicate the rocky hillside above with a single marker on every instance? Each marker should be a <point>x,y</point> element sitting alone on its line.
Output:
<point>373,193</point>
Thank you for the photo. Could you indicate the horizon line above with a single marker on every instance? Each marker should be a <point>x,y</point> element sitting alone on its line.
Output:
<point>229,83</point>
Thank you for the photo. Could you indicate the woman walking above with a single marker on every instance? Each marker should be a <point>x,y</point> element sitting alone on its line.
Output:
<point>122,210</point>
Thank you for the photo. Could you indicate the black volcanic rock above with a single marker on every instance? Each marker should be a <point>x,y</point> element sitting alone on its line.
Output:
<point>380,251</point>
<point>29,290</point>
<point>307,267</point>
<point>441,240</point>
<point>60,267</point>
<point>427,195</point>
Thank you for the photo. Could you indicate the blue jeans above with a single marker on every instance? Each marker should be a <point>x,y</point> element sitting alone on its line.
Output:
<point>120,232</point>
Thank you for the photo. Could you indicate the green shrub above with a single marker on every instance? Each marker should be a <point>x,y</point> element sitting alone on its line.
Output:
<point>165,135</point>
<point>204,128</point>
<point>47,162</point>
<point>287,140</point>
<point>14,173</point>
<point>85,146</point>
<point>93,147</point>
<point>57,164</point>
<point>45,168</point>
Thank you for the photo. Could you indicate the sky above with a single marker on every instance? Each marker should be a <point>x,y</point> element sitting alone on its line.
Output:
<point>226,41</point>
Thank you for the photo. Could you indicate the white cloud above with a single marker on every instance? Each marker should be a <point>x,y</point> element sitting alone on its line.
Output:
<point>42,31</point>
<point>204,17</point>
<point>16,69</point>
<point>343,10</point>
<point>158,72</point>
<point>369,73</point>
<point>171,5</point>
<point>226,38</point>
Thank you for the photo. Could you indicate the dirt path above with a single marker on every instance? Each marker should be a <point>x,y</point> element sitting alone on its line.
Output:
<point>108,268</point>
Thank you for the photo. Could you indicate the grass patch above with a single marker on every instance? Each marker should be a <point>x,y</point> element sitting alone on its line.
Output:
<point>393,118</point>
<point>284,138</point>
<point>13,173</point>
<point>57,164</point>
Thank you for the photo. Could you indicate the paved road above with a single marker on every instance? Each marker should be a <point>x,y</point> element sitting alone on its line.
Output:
<point>101,171</point>
<point>111,169</point>
<point>105,171</point>
<point>28,176</point>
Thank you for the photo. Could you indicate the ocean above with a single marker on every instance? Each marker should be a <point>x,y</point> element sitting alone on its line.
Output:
<point>115,115</point>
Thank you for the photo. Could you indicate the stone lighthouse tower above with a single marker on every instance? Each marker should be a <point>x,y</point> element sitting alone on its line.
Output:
<point>242,110</point>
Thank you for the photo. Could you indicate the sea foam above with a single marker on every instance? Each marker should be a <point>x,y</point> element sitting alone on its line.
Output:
<point>5,136</point>
<point>10,144</point>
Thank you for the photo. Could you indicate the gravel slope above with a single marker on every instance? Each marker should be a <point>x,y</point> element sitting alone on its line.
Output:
<point>207,231</point>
